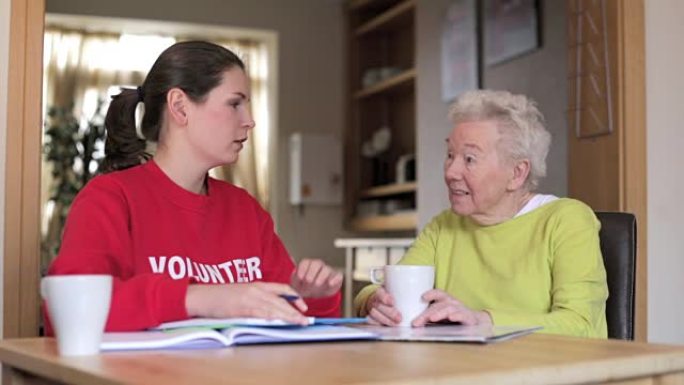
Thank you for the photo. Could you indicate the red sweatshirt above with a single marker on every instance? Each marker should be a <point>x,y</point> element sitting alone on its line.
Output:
<point>156,238</point>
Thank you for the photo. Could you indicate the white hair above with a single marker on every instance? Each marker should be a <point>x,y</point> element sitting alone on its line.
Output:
<point>520,124</point>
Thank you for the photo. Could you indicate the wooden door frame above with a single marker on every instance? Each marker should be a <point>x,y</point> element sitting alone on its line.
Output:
<point>21,275</point>
<point>619,181</point>
<point>631,117</point>
<point>23,144</point>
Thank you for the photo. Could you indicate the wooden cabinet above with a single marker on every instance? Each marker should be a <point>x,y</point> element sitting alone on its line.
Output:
<point>380,142</point>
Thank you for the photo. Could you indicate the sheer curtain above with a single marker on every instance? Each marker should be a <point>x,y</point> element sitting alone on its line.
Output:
<point>83,69</point>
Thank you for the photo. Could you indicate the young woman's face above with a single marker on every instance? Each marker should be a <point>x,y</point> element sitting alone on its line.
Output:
<point>218,127</point>
<point>476,176</point>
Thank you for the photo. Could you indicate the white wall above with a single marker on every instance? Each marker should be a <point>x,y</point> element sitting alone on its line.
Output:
<point>310,90</point>
<point>540,75</point>
<point>4,59</point>
<point>665,141</point>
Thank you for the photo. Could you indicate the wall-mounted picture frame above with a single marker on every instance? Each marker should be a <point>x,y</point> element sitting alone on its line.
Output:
<point>460,53</point>
<point>511,28</point>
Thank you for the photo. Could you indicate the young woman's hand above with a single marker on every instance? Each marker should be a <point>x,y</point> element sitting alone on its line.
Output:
<point>256,299</point>
<point>314,279</point>
<point>381,310</point>
<point>444,307</point>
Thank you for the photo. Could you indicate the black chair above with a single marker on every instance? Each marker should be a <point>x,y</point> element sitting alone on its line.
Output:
<point>618,246</point>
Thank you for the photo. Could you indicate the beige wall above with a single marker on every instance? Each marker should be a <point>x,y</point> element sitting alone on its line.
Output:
<point>4,59</point>
<point>310,85</point>
<point>540,75</point>
<point>665,141</point>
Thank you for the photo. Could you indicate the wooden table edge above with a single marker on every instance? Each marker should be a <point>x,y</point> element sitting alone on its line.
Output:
<point>13,357</point>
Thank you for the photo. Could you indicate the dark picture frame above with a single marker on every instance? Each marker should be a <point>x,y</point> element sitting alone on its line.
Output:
<point>511,28</point>
<point>460,49</point>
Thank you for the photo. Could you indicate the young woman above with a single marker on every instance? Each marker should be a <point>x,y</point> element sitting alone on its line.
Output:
<point>179,243</point>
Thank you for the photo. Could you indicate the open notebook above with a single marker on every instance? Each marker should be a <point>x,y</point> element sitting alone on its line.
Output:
<point>206,338</point>
<point>450,333</point>
<point>216,333</point>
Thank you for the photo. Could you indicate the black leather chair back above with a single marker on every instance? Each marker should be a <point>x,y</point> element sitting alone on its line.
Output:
<point>618,246</point>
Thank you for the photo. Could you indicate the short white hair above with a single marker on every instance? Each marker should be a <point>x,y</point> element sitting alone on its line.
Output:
<point>520,124</point>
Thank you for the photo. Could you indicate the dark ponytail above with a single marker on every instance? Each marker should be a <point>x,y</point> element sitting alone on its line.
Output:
<point>123,148</point>
<point>196,67</point>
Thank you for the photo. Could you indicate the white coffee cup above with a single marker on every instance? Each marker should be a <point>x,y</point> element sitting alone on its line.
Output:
<point>78,306</point>
<point>406,284</point>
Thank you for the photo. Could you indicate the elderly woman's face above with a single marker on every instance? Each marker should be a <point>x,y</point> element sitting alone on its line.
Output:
<point>476,176</point>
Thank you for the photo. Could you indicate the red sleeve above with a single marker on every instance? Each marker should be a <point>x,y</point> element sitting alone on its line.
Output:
<point>97,240</point>
<point>280,266</point>
<point>324,307</point>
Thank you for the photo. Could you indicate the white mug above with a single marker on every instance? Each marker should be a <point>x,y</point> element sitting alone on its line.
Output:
<point>78,306</point>
<point>406,284</point>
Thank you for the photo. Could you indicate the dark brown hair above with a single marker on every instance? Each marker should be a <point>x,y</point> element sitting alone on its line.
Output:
<point>196,67</point>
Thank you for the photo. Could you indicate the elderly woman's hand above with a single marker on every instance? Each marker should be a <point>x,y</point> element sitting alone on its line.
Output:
<point>381,310</point>
<point>444,307</point>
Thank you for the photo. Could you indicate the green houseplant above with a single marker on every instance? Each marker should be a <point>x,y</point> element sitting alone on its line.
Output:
<point>74,152</point>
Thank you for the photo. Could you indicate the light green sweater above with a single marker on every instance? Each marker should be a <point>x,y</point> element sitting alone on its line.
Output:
<point>541,268</point>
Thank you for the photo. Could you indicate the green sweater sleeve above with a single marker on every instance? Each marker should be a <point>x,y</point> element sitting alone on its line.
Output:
<point>579,290</point>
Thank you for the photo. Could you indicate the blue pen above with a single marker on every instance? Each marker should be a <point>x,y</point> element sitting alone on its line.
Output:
<point>289,297</point>
<point>339,321</point>
<point>292,298</point>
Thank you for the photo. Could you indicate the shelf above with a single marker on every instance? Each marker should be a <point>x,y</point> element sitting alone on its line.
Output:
<point>397,222</point>
<point>358,4</point>
<point>380,41</point>
<point>366,5</point>
<point>405,78</point>
<point>389,189</point>
<point>388,18</point>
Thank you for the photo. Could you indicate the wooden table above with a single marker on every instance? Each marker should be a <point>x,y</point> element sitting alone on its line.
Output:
<point>535,359</point>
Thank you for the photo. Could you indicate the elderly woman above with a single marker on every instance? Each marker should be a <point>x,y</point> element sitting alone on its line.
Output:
<point>504,254</point>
